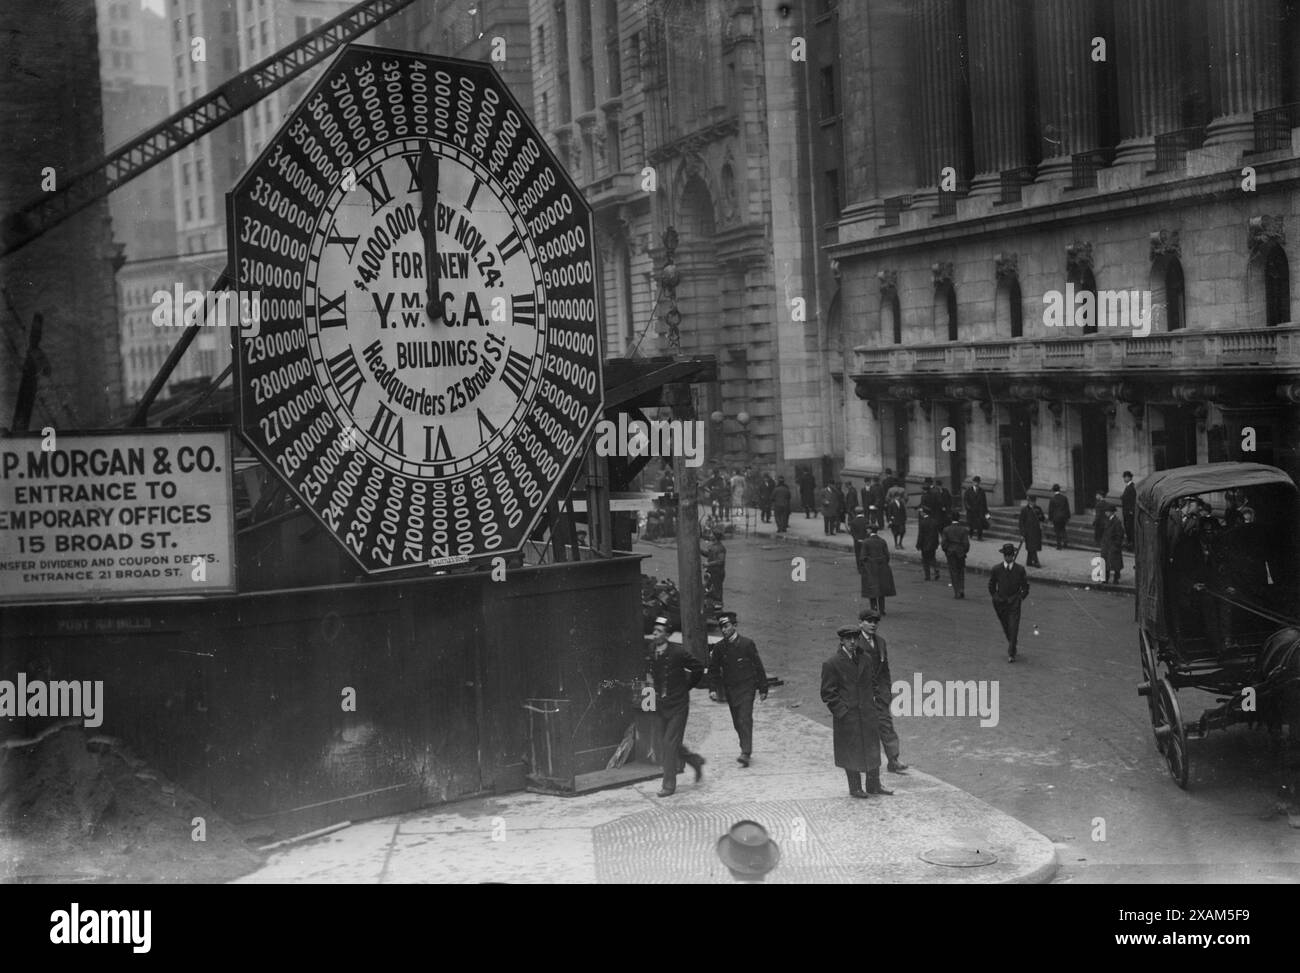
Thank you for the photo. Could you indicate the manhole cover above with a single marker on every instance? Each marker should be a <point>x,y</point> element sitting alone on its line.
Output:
<point>958,857</point>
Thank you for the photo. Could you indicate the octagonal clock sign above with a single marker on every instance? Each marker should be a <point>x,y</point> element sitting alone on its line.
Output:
<point>427,367</point>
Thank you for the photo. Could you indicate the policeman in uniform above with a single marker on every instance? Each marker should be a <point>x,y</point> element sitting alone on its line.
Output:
<point>736,669</point>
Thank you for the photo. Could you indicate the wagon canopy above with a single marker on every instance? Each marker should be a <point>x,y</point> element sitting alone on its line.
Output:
<point>1155,495</point>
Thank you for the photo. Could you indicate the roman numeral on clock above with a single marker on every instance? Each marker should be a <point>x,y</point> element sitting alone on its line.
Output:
<point>485,428</point>
<point>523,309</point>
<point>349,243</point>
<point>435,444</point>
<point>347,376</point>
<point>339,305</point>
<point>412,160</point>
<point>510,246</point>
<point>387,427</point>
<point>377,186</point>
<point>515,372</point>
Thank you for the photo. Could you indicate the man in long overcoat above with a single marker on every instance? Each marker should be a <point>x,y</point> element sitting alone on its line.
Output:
<point>873,565</point>
<point>1031,528</point>
<point>851,685</point>
<point>1128,501</point>
<point>1058,512</point>
<point>765,488</point>
<point>927,542</point>
<point>955,540</point>
<point>831,500</point>
<point>896,511</point>
<point>976,503</point>
<point>736,669</point>
<point>1112,545</point>
<point>674,672</point>
<point>781,500</point>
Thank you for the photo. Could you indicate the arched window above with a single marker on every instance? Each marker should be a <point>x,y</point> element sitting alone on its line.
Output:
<point>891,317</point>
<point>1168,294</point>
<point>1277,288</point>
<point>1009,309</point>
<point>945,310</point>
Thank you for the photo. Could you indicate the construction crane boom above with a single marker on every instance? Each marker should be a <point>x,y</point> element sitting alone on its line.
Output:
<point>192,122</point>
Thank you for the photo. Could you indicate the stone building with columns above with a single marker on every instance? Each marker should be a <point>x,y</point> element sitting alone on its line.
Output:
<point>690,114</point>
<point>1005,156</point>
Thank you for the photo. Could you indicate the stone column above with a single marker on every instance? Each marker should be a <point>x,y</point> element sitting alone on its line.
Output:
<point>941,125</point>
<point>1145,47</point>
<point>999,90</point>
<point>1067,83</point>
<point>1245,67</point>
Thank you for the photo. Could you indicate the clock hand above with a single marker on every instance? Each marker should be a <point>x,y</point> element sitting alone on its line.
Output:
<point>428,224</point>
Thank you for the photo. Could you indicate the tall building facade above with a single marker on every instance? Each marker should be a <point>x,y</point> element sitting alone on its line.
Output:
<point>673,113</point>
<point>1021,182</point>
<point>50,101</point>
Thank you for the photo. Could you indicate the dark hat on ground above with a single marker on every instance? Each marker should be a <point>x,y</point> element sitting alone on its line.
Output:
<point>727,617</point>
<point>747,849</point>
<point>1008,548</point>
<point>868,615</point>
<point>848,631</point>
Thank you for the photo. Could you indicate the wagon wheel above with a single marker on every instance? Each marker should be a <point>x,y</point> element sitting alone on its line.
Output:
<point>1150,673</point>
<point>1171,735</point>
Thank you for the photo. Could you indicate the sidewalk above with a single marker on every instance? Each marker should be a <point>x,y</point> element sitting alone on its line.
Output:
<point>1069,567</point>
<point>627,835</point>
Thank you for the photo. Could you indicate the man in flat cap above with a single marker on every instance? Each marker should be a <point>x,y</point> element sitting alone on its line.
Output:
<point>674,672</point>
<point>1009,586</point>
<point>850,687</point>
<point>736,669</point>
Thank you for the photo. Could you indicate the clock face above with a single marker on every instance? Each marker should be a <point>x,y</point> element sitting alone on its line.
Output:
<point>465,341</point>
<point>426,367</point>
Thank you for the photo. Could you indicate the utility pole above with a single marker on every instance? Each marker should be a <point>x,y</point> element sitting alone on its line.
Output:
<point>690,587</point>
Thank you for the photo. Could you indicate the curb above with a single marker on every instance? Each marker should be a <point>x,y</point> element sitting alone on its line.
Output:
<point>911,558</point>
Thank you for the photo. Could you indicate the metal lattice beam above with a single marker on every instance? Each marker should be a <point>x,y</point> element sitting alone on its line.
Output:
<point>191,123</point>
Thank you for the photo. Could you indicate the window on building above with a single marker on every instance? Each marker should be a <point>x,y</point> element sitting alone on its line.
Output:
<point>829,109</point>
<point>191,24</point>
<point>1277,288</point>
<point>176,30</point>
<point>545,109</point>
<point>1083,280</point>
<point>185,173</point>
<point>541,44</point>
<point>189,213</point>
<point>180,66</point>
<point>634,59</point>
<point>832,194</point>
<point>198,171</point>
<point>612,60</point>
<point>585,58</point>
<point>203,207</point>
<point>945,311</point>
<point>891,316</point>
<point>225,22</point>
<point>1008,308</point>
<point>562,63</point>
<point>299,26</point>
<point>1175,296</point>
<point>613,151</point>
<point>264,40</point>
<point>252,38</point>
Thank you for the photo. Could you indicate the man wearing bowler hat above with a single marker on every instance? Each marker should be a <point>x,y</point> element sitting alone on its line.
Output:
<point>674,672</point>
<point>851,684</point>
<point>1009,586</point>
<point>734,667</point>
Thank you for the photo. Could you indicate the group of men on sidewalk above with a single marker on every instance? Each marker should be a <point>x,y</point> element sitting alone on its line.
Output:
<point>855,687</point>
